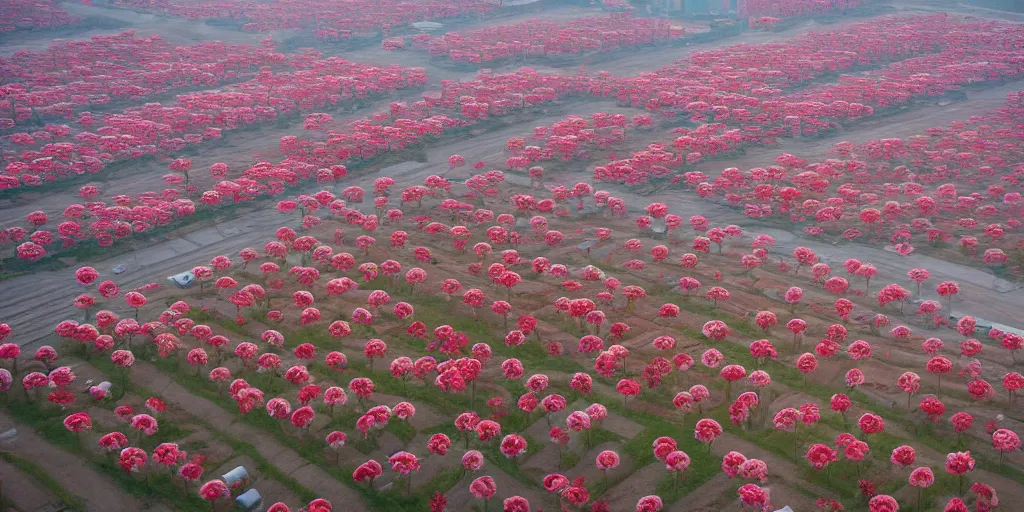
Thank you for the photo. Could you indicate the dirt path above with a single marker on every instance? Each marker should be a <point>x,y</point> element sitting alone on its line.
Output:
<point>23,491</point>
<point>69,470</point>
<point>282,457</point>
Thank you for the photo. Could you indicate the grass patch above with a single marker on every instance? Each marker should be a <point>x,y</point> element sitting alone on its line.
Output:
<point>213,317</point>
<point>569,459</point>
<point>401,429</point>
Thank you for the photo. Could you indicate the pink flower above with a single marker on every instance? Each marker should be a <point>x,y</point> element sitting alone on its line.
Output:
<point>1005,440</point>
<point>958,463</point>
<point>516,504</point>
<point>883,503</point>
<point>439,444</point>
<point>649,504</point>
<point>760,378</point>
<point>677,461</point>
<point>806,363</point>
<point>732,462</point>
<point>871,423</point>
<point>555,482</point>
<point>662,446</point>
<point>956,505</point>
<point>367,471</point>
<point>986,497</point>
<point>145,423</point>
<point>711,358</point>
<point>840,402</point>
<point>933,407</point>
<point>733,373</point>
<point>513,445</point>
<point>961,421</point>
<point>820,455</point>
<point>922,477</point>
<point>483,488</point>
<point>404,463</point>
<point>909,382</point>
<point>856,450</point>
<point>80,421</point>
<point>755,496</point>
<point>336,439</point>
<point>903,456</point>
<point>707,430</point>
<point>214,490</point>
<point>607,460</point>
<point>114,441</point>
<point>473,460</point>
<point>754,469</point>
<point>597,412</point>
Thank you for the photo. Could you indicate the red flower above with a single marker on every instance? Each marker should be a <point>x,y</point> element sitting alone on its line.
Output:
<point>820,455</point>
<point>867,487</point>
<point>483,488</point>
<point>367,471</point>
<point>903,456</point>
<point>439,444</point>
<point>958,463</point>
<point>871,423</point>
<point>438,502</point>
<point>883,503</point>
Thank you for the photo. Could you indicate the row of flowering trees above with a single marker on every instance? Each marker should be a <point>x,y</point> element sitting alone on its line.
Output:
<point>764,71</point>
<point>332,20</point>
<point>456,105</point>
<point>33,14</point>
<point>755,72</point>
<point>970,54</point>
<point>572,138</point>
<point>956,185</point>
<point>72,76</point>
<point>593,34</point>
<point>394,129</point>
<point>155,129</point>
<point>58,152</point>
<point>760,114</point>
